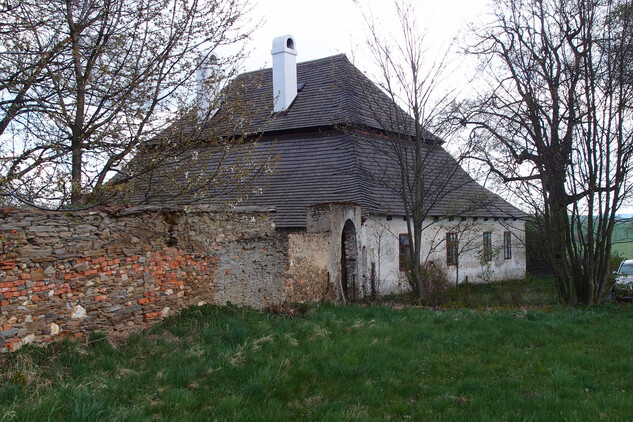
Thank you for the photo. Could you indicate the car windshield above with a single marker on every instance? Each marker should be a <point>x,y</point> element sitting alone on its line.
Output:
<point>626,269</point>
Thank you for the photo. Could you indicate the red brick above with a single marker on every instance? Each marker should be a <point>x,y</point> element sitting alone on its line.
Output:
<point>8,265</point>
<point>101,297</point>
<point>142,301</point>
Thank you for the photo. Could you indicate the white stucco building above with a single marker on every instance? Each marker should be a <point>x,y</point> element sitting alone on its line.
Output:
<point>324,122</point>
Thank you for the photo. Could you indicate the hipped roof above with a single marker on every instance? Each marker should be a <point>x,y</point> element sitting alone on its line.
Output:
<point>329,148</point>
<point>333,92</point>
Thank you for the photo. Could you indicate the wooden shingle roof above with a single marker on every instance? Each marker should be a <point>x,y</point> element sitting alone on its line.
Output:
<point>334,92</point>
<point>329,148</point>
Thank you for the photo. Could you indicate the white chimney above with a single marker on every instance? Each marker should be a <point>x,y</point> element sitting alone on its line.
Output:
<point>206,69</point>
<point>284,72</point>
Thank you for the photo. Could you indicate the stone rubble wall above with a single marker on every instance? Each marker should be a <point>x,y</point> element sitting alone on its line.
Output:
<point>121,269</point>
<point>307,278</point>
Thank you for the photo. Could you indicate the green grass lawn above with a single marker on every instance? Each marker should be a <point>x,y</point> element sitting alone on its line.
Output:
<point>338,363</point>
<point>623,250</point>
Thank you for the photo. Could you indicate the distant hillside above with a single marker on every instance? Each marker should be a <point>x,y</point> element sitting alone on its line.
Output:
<point>623,237</point>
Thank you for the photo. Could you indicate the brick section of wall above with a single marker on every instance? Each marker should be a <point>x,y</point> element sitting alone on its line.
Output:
<point>122,269</point>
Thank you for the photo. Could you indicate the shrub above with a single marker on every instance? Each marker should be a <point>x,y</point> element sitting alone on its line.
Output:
<point>437,287</point>
<point>614,262</point>
<point>509,292</point>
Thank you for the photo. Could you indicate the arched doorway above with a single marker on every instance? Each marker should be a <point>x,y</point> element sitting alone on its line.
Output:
<point>349,258</point>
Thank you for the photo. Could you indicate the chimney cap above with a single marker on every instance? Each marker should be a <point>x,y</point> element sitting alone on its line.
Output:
<point>284,44</point>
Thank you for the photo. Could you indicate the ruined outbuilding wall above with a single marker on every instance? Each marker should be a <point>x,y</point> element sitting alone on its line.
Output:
<point>121,269</point>
<point>308,278</point>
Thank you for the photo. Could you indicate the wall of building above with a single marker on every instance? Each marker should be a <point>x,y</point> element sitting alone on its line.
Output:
<point>122,269</point>
<point>380,236</point>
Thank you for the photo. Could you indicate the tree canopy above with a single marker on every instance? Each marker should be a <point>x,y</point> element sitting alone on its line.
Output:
<point>84,83</point>
<point>556,127</point>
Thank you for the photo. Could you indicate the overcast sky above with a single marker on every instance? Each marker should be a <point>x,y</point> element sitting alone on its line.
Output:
<point>326,27</point>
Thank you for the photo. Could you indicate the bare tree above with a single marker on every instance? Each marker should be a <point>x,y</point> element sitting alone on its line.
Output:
<point>409,157</point>
<point>84,83</point>
<point>555,126</point>
<point>379,233</point>
<point>463,237</point>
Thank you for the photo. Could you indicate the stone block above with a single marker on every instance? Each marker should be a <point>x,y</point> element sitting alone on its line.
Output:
<point>32,327</point>
<point>129,310</point>
<point>35,251</point>
<point>38,274</point>
<point>78,312</point>
<point>80,247</point>
<point>86,228</point>
<point>43,229</point>
<point>8,333</point>
<point>81,268</point>
<point>113,309</point>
